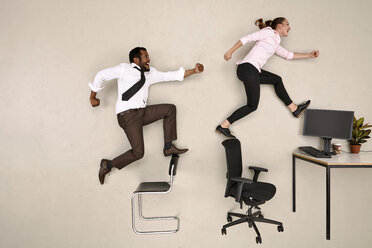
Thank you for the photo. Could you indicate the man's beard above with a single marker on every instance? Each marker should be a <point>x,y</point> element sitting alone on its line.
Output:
<point>143,68</point>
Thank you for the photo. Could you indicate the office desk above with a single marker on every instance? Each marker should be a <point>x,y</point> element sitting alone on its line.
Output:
<point>344,160</point>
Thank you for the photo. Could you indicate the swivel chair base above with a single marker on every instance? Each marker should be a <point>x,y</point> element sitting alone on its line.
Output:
<point>251,218</point>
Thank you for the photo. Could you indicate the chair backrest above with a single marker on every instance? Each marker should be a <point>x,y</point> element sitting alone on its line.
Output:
<point>233,161</point>
<point>173,168</point>
<point>173,165</point>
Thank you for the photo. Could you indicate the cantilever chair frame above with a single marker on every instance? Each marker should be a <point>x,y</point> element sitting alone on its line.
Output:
<point>172,172</point>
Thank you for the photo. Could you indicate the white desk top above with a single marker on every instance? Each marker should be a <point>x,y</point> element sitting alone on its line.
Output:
<point>363,158</point>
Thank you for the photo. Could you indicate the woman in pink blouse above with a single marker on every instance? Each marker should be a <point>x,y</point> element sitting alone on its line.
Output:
<point>250,73</point>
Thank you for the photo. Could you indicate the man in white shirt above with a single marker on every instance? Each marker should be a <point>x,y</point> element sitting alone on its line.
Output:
<point>134,81</point>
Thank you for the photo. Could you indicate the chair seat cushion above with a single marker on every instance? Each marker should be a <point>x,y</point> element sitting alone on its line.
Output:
<point>259,191</point>
<point>153,187</point>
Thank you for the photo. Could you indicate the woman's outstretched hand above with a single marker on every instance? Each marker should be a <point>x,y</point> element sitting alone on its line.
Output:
<point>313,54</point>
<point>227,56</point>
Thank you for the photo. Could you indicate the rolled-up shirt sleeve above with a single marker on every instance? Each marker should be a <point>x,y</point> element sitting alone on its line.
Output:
<point>105,75</point>
<point>256,36</point>
<point>284,53</point>
<point>158,76</point>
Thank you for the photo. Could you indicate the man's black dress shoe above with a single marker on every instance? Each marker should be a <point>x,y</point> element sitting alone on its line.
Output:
<point>174,150</point>
<point>105,167</point>
<point>300,109</point>
<point>224,131</point>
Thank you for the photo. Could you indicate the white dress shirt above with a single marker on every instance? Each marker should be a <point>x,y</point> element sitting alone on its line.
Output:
<point>267,43</point>
<point>127,76</point>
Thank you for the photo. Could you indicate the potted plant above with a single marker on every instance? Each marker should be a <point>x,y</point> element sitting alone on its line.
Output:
<point>360,134</point>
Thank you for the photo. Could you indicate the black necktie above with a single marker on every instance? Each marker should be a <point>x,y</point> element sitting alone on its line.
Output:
<point>135,88</point>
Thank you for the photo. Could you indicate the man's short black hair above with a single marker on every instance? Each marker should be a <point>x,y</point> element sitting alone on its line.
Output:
<point>135,53</point>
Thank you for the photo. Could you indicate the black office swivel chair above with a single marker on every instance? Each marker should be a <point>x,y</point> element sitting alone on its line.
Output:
<point>250,192</point>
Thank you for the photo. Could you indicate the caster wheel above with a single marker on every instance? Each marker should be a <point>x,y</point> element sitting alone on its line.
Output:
<point>260,215</point>
<point>280,229</point>
<point>258,240</point>
<point>229,218</point>
<point>223,231</point>
<point>250,224</point>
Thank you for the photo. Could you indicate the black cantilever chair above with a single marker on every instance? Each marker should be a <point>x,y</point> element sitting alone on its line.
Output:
<point>155,188</point>
<point>250,192</point>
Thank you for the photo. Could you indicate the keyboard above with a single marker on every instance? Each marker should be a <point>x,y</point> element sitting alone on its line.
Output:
<point>314,152</point>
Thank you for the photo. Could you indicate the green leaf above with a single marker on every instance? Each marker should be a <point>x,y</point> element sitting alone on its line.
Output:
<point>363,137</point>
<point>360,132</point>
<point>359,122</point>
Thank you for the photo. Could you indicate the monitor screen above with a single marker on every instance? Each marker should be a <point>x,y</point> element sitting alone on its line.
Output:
<point>328,123</point>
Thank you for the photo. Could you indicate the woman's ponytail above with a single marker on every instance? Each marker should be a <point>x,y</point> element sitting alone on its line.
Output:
<point>260,23</point>
<point>269,23</point>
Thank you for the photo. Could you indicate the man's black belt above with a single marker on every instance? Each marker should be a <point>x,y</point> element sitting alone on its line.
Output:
<point>127,111</point>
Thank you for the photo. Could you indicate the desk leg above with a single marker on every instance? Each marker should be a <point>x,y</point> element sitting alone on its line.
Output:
<point>328,204</point>
<point>294,182</point>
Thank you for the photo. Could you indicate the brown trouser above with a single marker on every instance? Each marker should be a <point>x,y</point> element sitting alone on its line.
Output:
<point>133,121</point>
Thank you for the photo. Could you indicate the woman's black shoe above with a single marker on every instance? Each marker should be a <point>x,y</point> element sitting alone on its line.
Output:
<point>300,109</point>
<point>224,131</point>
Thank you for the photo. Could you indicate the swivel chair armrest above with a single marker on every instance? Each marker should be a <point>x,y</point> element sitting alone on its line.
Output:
<point>255,168</point>
<point>241,181</point>
<point>257,171</point>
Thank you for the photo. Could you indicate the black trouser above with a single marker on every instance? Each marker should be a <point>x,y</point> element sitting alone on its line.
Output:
<point>252,79</point>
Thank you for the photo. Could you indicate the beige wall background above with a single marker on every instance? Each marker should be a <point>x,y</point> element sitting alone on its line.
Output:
<point>52,140</point>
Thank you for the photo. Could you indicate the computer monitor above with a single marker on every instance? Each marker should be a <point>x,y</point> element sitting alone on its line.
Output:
<point>328,124</point>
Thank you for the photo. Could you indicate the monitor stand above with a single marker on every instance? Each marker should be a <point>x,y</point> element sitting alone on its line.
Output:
<point>327,146</point>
